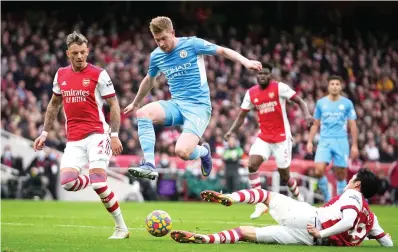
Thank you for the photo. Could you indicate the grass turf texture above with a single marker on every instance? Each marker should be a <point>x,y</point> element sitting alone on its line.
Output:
<point>70,226</point>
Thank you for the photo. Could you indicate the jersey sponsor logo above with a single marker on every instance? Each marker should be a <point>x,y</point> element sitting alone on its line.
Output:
<point>74,96</point>
<point>183,54</point>
<point>173,72</point>
<point>86,82</point>
<point>266,107</point>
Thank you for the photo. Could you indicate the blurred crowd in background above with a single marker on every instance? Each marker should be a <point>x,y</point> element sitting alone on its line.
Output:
<point>33,48</point>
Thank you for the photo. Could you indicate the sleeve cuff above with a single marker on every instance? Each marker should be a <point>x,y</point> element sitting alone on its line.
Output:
<point>350,207</point>
<point>244,109</point>
<point>292,97</point>
<point>56,94</point>
<point>108,96</point>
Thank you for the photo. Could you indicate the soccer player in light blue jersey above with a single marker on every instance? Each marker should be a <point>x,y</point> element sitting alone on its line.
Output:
<point>332,113</point>
<point>181,60</point>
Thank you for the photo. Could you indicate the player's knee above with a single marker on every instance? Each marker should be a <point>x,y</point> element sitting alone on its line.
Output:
<point>340,173</point>
<point>319,170</point>
<point>285,174</point>
<point>183,153</point>
<point>142,113</point>
<point>68,179</point>
<point>253,167</point>
<point>98,180</point>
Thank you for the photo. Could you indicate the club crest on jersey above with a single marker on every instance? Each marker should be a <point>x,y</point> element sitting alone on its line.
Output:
<point>271,95</point>
<point>86,82</point>
<point>183,54</point>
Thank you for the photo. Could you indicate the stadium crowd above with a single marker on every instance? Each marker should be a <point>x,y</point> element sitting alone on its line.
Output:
<point>31,54</point>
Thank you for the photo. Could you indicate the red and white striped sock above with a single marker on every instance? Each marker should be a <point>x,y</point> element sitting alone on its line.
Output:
<point>254,180</point>
<point>227,236</point>
<point>110,202</point>
<point>250,196</point>
<point>292,184</point>
<point>77,184</point>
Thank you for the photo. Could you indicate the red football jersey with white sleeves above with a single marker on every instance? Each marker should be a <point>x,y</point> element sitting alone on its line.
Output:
<point>365,224</point>
<point>82,96</point>
<point>270,104</point>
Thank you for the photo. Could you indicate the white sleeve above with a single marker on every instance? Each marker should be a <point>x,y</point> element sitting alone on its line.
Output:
<point>56,88</point>
<point>285,91</point>
<point>351,199</point>
<point>247,103</point>
<point>347,222</point>
<point>378,233</point>
<point>105,85</point>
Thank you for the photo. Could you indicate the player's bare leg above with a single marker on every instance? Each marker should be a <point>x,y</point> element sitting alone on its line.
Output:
<point>323,183</point>
<point>187,148</point>
<point>290,182</point>
<point>341,176</point>
<point>255,183</point>
<point>152,113</point>
<point>98,179</point>
<point>72,181</point>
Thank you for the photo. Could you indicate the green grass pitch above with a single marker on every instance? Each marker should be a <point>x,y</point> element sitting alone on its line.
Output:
<point>71,226</point>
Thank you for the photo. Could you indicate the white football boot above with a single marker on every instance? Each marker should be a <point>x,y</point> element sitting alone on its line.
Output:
<point>260,209</point>
<point>119,234</point>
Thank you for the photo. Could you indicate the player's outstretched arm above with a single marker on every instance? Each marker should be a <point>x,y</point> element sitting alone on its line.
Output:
<point>51,114</point>
<point>146,85</point>
<point>113,103</point>
<point>303,106</point>
<point>237,123</point>
<point>237,57</point>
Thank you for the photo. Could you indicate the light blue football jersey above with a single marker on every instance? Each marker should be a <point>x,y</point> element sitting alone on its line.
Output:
<point>184,68</point>
<point>334,116</point>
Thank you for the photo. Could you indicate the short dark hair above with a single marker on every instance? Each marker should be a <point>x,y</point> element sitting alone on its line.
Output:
<point>335,77</point>
<point>369,182</point>
<point>268,66</point>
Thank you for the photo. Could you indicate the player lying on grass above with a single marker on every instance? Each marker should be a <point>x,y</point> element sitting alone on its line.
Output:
<point>181,60</point>
<point>82,89</point>
<point>345,220</point>
<point>268,99</point>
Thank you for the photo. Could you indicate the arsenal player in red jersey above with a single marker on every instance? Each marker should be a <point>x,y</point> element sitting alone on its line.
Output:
<point>82,88</point>
<point>269,98</point>
<point>346,220</point>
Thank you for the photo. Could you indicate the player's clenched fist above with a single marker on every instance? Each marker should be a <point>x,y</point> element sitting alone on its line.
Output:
<point>39,142</point>
<point>116,145</point>
<point>132,107</point>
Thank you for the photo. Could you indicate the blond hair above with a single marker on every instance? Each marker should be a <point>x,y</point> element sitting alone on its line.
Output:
<point>160,24</point>
<point>77,38</point>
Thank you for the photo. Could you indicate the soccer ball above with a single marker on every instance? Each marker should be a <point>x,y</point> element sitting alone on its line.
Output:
<point>158,223</point>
